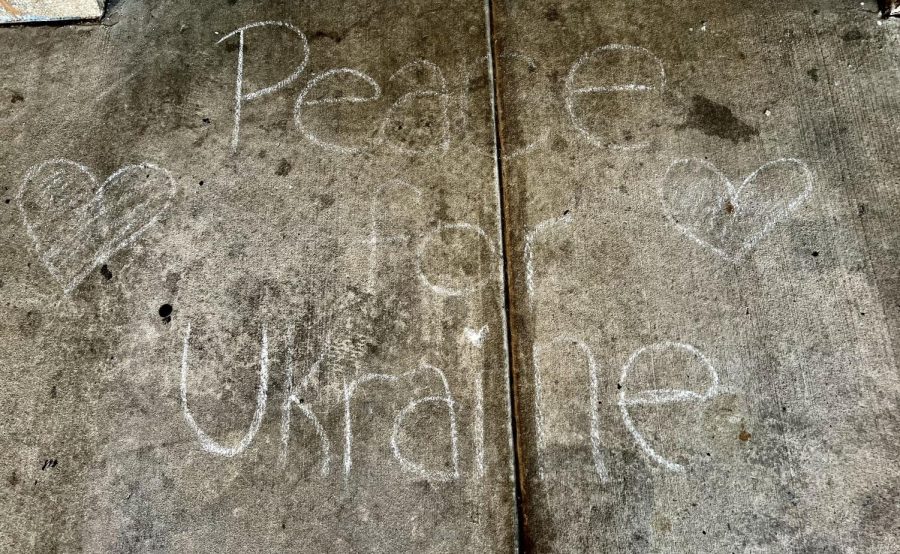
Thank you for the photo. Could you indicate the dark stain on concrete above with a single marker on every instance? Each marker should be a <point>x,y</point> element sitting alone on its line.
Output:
<point>853,35</point>
<point>334,37</point>
<point>813,74</point>
<point>879,510</point>
<point>284,168</point>
<point>716,120</point>
<point>559,144</point>
<point>324,201</point>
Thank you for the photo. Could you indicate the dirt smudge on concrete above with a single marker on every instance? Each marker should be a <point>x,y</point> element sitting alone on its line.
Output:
<point>717,120</point>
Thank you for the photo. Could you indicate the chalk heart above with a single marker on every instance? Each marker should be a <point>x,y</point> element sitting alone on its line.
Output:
<point>704,204</point>
<point>76,225</point>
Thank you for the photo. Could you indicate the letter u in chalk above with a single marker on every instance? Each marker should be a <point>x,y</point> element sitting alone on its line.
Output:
<point>206,441</point>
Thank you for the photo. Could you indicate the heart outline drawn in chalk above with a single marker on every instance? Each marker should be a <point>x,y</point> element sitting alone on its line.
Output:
<point>731,220</point>
<point>76,226</point>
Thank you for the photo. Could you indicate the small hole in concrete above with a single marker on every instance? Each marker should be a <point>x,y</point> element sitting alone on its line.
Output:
<point>165,312</point>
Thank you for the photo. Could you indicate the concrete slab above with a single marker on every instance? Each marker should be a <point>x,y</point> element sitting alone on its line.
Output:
<point>252,282</point>
<point>253,278</point>
<point>701,203</point>
<point>30,11</point>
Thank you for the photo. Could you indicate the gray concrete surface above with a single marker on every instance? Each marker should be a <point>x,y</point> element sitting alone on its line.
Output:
<point>370,259</point>
<point>709,211</point>
<point>254,263</point>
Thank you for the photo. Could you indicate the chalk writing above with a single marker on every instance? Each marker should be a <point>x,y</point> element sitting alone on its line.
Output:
<point>350,389</point>
<point>572,91</point>
<point>291,400</point>
<point>530,238</point>
<point>440,92</point>
<point>437,87</point>
<point>206,441</point>
<point>474,337</point>
<point>239,96</point>
<point>440,285</point>
<point>321,79</point>
<point>447,400</point>
<point>475,340</point>
<point>538,350</point>
<point>76,227</point>
<point>661,396</point>
<point>705,206</point>
<point>472,340</point>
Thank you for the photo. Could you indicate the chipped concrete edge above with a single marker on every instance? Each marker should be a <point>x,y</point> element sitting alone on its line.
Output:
<point>889,8</point>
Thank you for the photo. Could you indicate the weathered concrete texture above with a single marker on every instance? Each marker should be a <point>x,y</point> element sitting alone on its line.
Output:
<point>151,281</point>
<point>252,277</point>
<point>702,213</point>
<point>29,11</point>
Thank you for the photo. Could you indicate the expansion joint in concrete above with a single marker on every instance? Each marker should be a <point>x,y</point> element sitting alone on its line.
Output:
<point>509,304</point>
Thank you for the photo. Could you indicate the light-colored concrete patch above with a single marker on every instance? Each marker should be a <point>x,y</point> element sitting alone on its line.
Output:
<point>22,11</point>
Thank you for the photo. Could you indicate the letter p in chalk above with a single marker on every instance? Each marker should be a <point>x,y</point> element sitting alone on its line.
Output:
<point>239,96</point>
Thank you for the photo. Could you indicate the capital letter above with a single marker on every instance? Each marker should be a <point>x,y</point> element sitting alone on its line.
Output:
<point>206,442</point>
<point>239,96</point>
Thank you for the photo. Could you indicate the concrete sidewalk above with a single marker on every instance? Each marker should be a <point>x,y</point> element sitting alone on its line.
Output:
<point>439,276</point>
<point>331,371</point>
<point>704,238</point>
